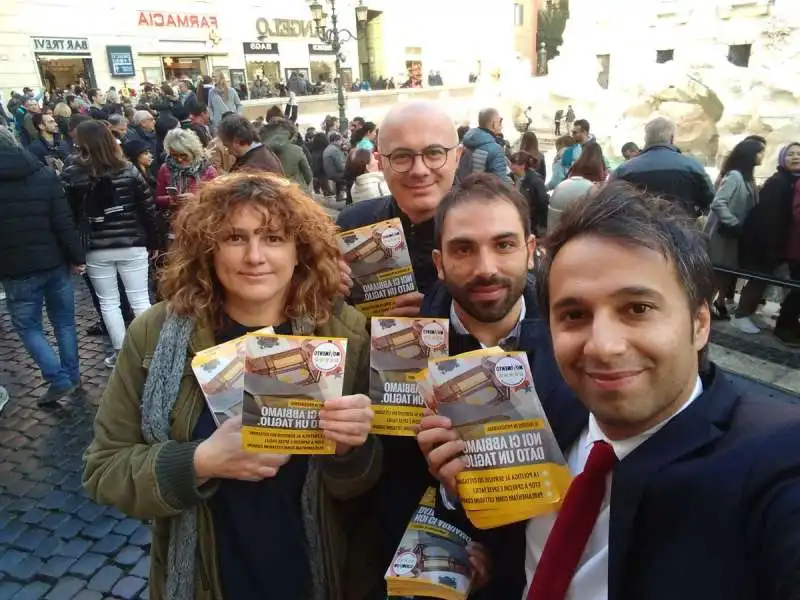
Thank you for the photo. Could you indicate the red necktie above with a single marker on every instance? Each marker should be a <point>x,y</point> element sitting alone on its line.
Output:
<point>573,526</point>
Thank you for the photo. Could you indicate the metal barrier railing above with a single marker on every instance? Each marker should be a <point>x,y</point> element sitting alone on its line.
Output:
<point>792,284</point>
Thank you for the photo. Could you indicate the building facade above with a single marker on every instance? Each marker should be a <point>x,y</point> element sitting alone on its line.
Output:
<point>659,31</point>
<point>53,43</point>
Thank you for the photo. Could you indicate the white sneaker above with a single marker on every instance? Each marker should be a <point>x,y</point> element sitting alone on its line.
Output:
<point>745,325</point>
<point>3,397</point>
<point>111,361</point>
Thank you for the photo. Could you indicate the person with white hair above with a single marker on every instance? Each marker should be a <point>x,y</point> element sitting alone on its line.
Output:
<point>119,127</point>
<point>185,167</point>
<point>661,169</point>
<point>143,127</point>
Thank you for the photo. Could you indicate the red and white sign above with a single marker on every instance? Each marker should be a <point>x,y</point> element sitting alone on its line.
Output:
<point>177,20</point>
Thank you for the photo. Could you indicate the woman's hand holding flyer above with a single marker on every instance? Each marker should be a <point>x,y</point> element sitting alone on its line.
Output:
<point>222,457</point>
<point>346,421</point>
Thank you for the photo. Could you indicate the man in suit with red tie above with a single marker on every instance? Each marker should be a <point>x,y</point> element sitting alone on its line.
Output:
<point>685,489</point>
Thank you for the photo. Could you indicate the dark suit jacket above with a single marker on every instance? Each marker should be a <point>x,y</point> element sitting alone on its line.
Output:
<point>706,509</point>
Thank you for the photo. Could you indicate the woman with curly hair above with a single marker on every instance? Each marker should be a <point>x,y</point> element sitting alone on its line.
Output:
<point>254,251</point>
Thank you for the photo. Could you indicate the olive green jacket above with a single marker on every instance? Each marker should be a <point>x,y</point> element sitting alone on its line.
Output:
<point>155,482</point>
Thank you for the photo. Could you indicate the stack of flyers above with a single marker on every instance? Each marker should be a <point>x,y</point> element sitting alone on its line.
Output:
<point>220,373</point>
<point>516,470</point>
<point>432,559</point>
<point>287,379</point>
<point>378,256</point>
<point>400,348</point>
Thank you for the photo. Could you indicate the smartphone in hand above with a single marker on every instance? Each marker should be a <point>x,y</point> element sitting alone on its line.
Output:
<point>172,190</point>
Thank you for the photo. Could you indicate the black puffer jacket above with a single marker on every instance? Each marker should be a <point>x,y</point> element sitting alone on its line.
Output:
<point>119,208</point>
<point>37,232</point>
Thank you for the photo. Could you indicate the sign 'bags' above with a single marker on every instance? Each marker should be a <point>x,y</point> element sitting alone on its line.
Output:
<point>287,379</point>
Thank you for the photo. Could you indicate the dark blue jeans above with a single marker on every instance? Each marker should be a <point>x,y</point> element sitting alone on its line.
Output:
<point>25,298</point>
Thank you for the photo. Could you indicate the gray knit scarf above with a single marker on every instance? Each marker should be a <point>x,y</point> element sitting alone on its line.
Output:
<point>160,393</point>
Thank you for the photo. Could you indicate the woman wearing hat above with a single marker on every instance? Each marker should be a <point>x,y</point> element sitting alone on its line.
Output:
<point>138,153</point>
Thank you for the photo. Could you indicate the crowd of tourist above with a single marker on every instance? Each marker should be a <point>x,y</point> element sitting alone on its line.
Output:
<point>613,311</point>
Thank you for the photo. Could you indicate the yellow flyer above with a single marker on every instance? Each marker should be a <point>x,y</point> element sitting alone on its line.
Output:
<point>516,470</point>
<point>220,373</point>
<point>432,559</point>
<point>287,379</point>
<point>378,257</point>
<point>400,348</point>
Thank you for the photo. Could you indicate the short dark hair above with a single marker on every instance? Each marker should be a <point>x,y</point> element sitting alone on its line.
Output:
<point>525,159</point>
<point>629,147</point>
<point>481,186</point>
<point>274,112</point>
<point>237,127</point>
<point>462,131</point>
<point>583,124</point>
<point>69,99</point>
<point>77,119</point>
<point>37,120</point>
<point>357,162</point>
<point>278,123</point>
<point>198,108</point>
<point>92,93</point>
<point>486,116</point>
<point>635,218</point>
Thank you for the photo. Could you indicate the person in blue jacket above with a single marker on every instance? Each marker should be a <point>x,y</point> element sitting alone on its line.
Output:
<point>482,152</point>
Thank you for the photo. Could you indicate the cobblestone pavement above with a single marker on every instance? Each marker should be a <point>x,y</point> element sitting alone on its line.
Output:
<point>55,543</point>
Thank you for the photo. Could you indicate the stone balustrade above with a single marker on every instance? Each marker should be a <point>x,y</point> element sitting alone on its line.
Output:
<point>372,106</point>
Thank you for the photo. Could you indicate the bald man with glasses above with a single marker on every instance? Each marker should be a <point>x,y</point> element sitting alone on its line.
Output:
<point>419,154</point>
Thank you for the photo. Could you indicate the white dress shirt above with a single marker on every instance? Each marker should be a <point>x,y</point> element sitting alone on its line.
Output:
<point>591,577</point>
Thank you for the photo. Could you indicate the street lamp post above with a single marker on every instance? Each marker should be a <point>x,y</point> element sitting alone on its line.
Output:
<point>334,36</point>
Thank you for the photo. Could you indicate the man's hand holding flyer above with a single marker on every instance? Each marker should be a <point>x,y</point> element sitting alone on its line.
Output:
<point>515,469</point>
<point>381,266</point>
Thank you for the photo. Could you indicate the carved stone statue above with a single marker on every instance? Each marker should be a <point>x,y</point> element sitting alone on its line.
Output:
<point>541,60</point>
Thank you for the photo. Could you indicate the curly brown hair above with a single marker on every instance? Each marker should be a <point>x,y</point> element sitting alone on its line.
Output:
<point>189,282</point>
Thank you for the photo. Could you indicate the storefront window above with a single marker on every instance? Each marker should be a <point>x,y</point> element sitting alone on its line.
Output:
<point>322,70</point>
<point>184,67</point>
<point>153,75</point>
<point>238,83</point>
<point>303,72</point>
<point>266,69</point>
<point>59,73</point>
